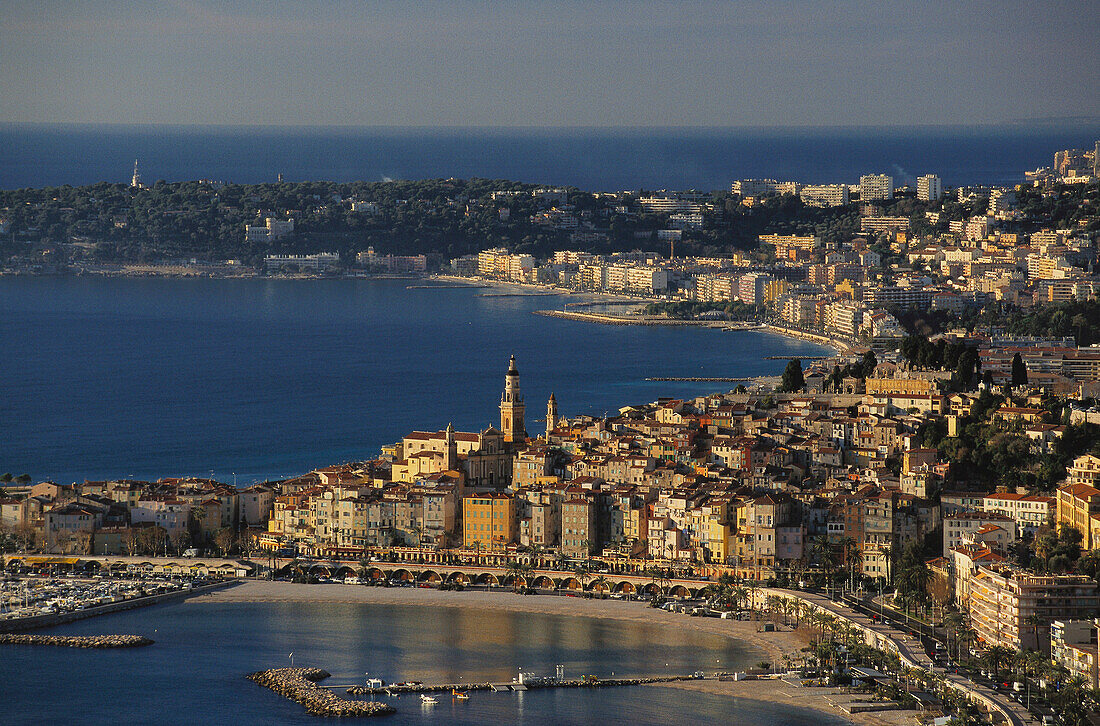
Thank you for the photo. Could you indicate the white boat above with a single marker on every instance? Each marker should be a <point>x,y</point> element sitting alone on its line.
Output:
<point>427,699</point>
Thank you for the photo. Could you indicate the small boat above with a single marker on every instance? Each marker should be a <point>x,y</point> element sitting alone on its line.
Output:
<point>427,699</point>
<point>461,695</point>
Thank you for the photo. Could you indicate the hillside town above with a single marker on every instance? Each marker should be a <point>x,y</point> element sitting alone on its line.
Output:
<point>947,459</point>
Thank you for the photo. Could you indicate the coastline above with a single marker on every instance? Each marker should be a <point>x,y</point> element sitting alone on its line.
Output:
<point>772,646</point>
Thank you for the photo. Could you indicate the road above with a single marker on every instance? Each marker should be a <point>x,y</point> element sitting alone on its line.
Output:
<point>911,651</point>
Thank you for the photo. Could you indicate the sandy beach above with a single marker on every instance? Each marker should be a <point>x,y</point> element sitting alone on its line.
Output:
<point>772,646</point>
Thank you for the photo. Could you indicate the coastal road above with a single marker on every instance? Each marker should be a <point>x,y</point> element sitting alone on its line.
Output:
<point>913,653</point>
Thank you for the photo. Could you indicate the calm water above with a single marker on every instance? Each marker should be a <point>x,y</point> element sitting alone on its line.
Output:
<point>594,159</point>
<point>161,377</point>
<point>194,672</point>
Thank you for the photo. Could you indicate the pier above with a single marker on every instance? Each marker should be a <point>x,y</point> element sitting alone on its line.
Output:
<point>530,684</point>
<point>703,379</point>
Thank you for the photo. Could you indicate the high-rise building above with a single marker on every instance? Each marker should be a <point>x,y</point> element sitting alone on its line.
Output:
<point>929,188</point>
<point>876,186</point>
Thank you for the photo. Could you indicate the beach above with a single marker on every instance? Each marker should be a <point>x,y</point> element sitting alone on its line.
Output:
<point>773,646</point>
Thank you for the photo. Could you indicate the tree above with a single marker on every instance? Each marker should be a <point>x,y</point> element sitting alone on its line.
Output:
<point>1019,371</point>
<point>224,539</point>
<point>913,575</point>
<point>793,378</point>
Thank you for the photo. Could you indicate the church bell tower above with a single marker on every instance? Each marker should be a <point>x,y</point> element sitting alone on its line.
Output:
<point>511,406</point>
<point>551,415</point>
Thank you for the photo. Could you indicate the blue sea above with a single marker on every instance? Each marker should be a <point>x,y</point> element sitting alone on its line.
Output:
<point>194,672</point>
<point>588,158</point>
<point>252,379</point>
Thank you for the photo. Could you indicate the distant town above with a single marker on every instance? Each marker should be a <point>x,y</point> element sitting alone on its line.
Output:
<point>949,452</point>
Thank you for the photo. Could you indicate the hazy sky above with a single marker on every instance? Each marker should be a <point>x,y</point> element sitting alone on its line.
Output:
<point>458,63</point>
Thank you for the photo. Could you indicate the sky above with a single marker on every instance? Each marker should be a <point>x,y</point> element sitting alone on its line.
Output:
<point>546,63</point>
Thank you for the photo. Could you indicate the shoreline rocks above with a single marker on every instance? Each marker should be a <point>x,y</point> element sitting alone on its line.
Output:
<point>77,641</point>
<point>300,686</point>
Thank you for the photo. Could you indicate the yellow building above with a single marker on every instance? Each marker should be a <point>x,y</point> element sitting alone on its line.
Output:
<point>1078,507</point>
<point>900,386</point>
<point>488,520</point>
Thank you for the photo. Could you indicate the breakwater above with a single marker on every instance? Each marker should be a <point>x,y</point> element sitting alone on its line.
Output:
<point>702,379</point>
<point>300,686</point>
<point>590,682</point>
<point>605,319</point>
<point>77,641</point>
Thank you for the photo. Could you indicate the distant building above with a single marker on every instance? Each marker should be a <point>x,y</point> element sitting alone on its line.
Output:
<point>929,188</point>
<point>824,195</point>
<point>876,186</point>
<point>272,229</point>
<point>319,261</point>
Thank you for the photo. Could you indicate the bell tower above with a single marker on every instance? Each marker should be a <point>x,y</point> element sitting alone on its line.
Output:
<point>450,458</point>
<point>512,409</point>
<point>551,415</point>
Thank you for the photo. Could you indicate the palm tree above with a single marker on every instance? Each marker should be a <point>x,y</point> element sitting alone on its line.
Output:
<point>1034,622</point>
<point>601,584</point>
<point>738,595</point>
<point>996,656</point>
<point>954,622</point>
<point>514,570</point>
<point>582,573</point>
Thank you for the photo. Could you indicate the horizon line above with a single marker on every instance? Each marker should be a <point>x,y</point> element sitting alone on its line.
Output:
<point>1006,123</point>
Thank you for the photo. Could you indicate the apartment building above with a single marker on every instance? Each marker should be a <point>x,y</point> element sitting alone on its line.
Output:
<point>1003,601</point>
<point>876,186</point>
<point>1029,511</point>
<point>929,188</point>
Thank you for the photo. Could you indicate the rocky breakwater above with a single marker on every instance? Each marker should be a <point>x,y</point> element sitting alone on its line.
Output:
<point>300,686</point>
<point>77,641</point>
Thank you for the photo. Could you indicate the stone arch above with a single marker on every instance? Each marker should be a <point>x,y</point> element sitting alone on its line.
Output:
<point>375,574</point>
<point>570,583</point>
<point>320,570</point>
<point>459,577</point>
<point>678,591</point>
<point>430,576</point>
<point>487,578</point>
<point>651,588</point>
<point>401,574</point>
<point>543,582</point>
<point>345,571</point>
<point>625,587</point>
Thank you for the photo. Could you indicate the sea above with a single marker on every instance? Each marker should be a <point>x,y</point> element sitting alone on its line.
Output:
<point>195,671</point>
<point>35,155</point>
<point>245,380</point>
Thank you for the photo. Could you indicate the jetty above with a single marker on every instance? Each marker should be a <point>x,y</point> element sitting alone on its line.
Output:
<point>527,685</point>
<point>76,641</point>
<point>300,686</point>
<point>715,379</point>
<point>517,294</point>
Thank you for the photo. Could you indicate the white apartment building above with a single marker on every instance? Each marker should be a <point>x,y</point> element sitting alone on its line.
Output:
<point>929,188</point>
<point>824,195</point>
<point>318,261</point>
<point>845,318</point>
<point>876,186</point>
<point>1029,511</point>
